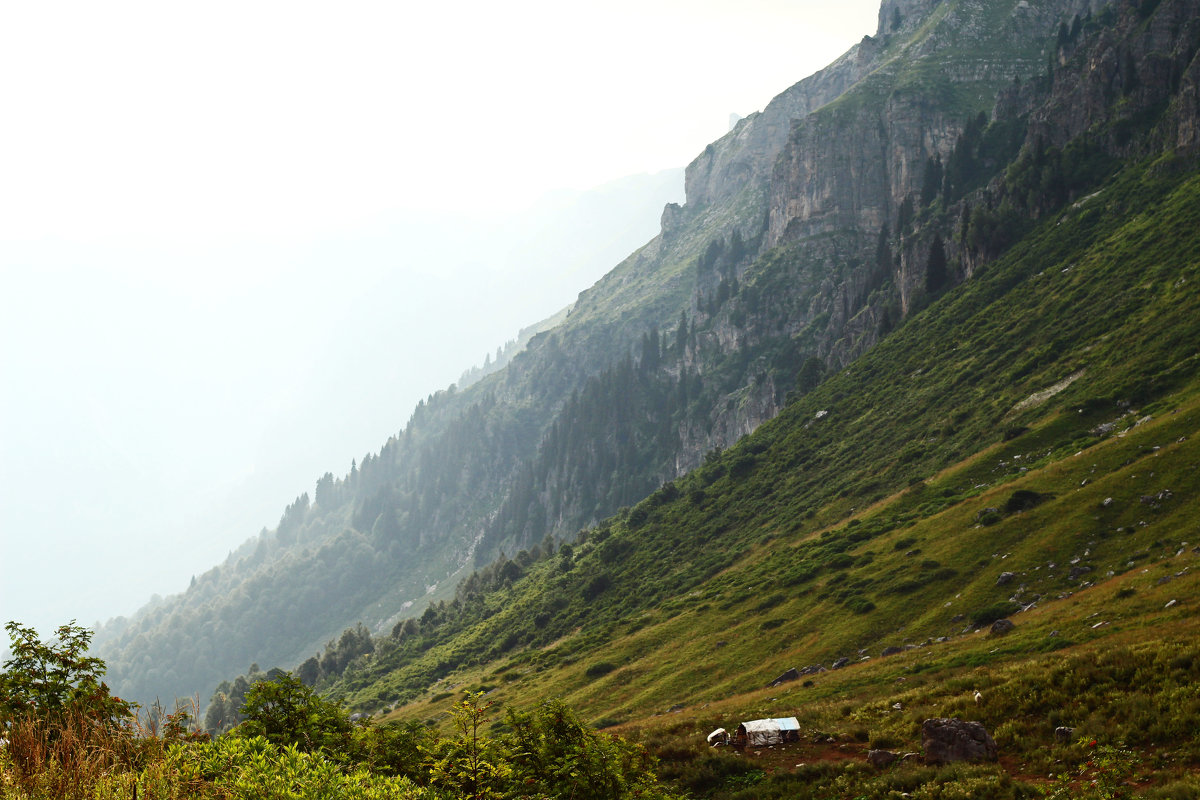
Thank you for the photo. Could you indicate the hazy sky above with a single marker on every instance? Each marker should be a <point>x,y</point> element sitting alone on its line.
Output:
<point>239,241</point>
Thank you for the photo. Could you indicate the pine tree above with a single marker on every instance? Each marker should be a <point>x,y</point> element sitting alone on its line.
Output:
<point>935,270</point>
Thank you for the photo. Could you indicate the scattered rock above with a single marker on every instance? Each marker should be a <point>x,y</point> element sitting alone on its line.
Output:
<point>891,651</point>
<point>1001,627</point>
<point>958,617</point>
<point>675,709</point>
<point>1107,502</point>
<point>841,662</point>
<point>948,740</point>
<point>881,759</point>
<point>1078,571</point>
<point>1005,578</point>
<point>1171,603</point>
<point>987,516</point>
<point>1063,734</point>
<point>792,674</point>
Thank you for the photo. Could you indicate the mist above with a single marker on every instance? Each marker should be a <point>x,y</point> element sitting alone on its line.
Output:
<point>238,243</point>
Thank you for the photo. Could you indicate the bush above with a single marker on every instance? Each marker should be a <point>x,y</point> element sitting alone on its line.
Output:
<point>48,679</point>
<point>286,712</point>
<point>989,614</point>
<point>599,669</point>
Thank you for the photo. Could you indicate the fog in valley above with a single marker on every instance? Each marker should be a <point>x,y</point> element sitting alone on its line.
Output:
<point>239,242</point>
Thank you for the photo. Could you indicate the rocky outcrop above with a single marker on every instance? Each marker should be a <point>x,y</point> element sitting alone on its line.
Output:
<point>745,156</point>
<point>1122,73</point>
<point>948,740</point>
<point>1001,627</point>
<point>849,166</point>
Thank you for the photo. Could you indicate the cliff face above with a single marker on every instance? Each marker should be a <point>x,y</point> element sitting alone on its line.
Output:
<point>1125,78</point>
<point>849,166</point>
<point>745,156</point>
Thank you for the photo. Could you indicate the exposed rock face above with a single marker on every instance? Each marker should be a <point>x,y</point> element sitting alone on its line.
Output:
<point>1001,627</point>
<point>744,156</point>
<point>948,740</point>
<point>1140,71</point>
<point>792,674</point>
<point>849,166</point>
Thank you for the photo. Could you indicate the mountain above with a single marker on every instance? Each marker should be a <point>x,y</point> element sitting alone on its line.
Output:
<point>810,275</point>
<point>987,515</point>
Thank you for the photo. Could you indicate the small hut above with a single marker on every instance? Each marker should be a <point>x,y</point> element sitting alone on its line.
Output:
<point>758,732</point>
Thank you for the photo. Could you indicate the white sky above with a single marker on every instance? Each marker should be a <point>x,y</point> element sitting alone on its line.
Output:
<point>236,238</point>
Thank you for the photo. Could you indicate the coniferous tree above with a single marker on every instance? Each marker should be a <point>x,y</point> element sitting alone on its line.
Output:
<point>935,271</point>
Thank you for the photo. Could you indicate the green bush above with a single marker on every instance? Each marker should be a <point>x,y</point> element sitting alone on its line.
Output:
<point>286,712</point>
<point>599,669</point>
<point>989,614</point>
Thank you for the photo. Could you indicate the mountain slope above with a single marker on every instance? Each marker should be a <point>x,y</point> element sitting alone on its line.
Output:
<point>1041,421</point>
<point>760,285</point>
<point>1025,447</point>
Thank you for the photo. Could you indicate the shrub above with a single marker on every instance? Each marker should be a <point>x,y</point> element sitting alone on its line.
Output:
<point>286,712</point>
<point>47,679</point>
<point>1023,500</point>
<point>989,614</point>
<point>600,669</point>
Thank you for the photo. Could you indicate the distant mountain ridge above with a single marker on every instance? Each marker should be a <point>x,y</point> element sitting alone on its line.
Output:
<point>810,232</point>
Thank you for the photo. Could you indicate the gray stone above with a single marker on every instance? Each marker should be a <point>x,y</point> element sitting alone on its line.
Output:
<point>791,675</point>
<point>1005,578</point>
<point>881,759</point>
<point>891,651</point>
<point>1001,627</point>
<point>948,740</point>
<point>841,662</point>
<point>1078,571</point>
<point>1063,734</point>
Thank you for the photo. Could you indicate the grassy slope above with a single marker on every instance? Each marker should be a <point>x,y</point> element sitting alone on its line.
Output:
<point>821,536</point>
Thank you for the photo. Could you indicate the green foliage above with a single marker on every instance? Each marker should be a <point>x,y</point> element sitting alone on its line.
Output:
<point>295,746</point>
<point>256,769</point>
<point>555,755</point>
<point>286,712</point>
<point>993,612</point>
<point>470,764</point>
<point>1104,775</point>
<point>600,669</point>
<point>46,679</point>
